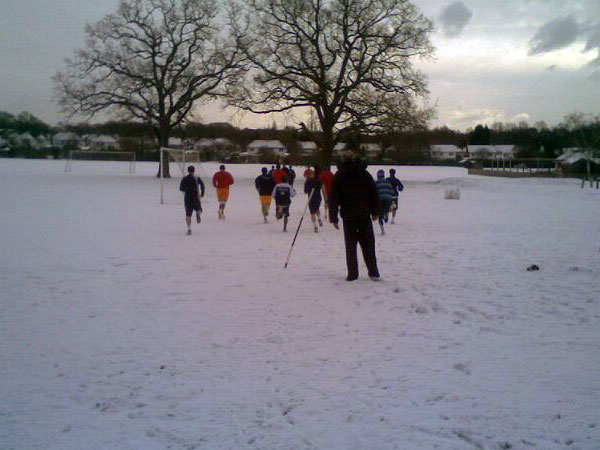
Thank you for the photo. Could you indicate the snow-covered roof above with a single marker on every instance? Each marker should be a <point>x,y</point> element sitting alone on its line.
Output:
<point>209,142</point>
<point>204,142</point>
<point>265,143</point>
<point>340,147</point>
<point>101,139</point>
<point>571,157</point>
<point>495,149</point>
<point>371,147</point>
<point>66,136</point>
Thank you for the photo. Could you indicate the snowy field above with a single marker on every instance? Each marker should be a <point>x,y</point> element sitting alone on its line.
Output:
<point>118,331</point>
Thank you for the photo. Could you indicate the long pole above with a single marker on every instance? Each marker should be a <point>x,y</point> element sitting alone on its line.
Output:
<point>161,176</point>
<point>298,229</point>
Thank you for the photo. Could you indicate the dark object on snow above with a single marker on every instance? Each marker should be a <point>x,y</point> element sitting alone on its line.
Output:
<point>533,267</point>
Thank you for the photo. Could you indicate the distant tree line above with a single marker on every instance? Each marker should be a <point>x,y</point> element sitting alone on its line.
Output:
<point>410,146</point>
<point>22,123</point>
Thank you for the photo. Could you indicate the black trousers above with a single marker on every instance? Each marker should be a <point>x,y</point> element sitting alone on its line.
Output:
<point>360,232</point>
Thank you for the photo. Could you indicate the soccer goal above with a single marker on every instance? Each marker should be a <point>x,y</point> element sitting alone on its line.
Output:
<point>181,157</point>
<point>92,155</point>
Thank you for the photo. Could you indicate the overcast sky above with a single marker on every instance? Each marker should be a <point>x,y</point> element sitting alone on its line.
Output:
<point>495,60</point>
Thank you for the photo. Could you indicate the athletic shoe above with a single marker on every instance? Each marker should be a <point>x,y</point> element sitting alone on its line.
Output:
<point>189,232</point>
<point>349,278</point>
<point>375,278</point>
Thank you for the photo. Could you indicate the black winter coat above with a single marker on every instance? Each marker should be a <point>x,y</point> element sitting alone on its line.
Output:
<point>353,193</point>
<point>264,184</point>
<point>192,187</point>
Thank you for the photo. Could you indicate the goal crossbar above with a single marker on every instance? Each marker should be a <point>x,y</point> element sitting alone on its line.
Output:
<point>88,155</point>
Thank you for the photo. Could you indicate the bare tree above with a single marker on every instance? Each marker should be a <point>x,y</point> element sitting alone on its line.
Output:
<point>151,61</point>
<point>349,61</point>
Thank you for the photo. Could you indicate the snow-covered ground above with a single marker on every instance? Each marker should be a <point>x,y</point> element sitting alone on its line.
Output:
<point>118,331</point>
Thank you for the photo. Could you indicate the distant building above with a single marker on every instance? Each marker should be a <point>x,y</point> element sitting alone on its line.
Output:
<point>491,151</point>
<point>25,139</point>
<point>371,150</point>
<point>67,138</point>
<point>254,148</point>
<point>175,142</point>
<point>101,142</point>
<point>307,148</point>
<point>445,152</point>
<point>212,144</point>
<point>339,148</point>
<point>574,161</point>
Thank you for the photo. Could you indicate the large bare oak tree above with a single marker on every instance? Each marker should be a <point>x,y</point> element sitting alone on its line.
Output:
<point>151,61</point>
<point>348,61</point>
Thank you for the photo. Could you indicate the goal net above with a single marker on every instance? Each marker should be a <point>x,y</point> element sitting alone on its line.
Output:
<point>182,158</point>
<point>91,155</point>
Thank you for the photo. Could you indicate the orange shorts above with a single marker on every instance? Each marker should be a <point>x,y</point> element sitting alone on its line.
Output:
<point>265,200</point>
<point>223,194</point>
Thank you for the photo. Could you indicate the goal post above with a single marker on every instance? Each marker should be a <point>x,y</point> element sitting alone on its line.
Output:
<point>93,155</point>
<point>179,156</point>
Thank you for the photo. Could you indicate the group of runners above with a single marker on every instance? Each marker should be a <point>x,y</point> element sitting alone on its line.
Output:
<point>277,184</point>
<point>352,192</point>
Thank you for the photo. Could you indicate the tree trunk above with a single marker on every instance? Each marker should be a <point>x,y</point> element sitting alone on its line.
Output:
<point>162,133</point>
<point>328,144</point>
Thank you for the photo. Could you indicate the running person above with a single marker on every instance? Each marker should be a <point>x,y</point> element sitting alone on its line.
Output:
<point>327,179</point>
<point>279,173</point>
<point>191,200</point>
<point>221,181</point>
<point>264,184</point>
<point>398,187</point>
<point>283,193</point>
<point>313,187</point>
<point>386,194</point>
<point>308,172</point>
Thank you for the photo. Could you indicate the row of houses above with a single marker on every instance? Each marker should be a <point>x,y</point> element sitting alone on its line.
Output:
<point>60,140</point>
<point>305,149</point>
<point>251,151</point>
<point>275,148</point>
<point>455,153</point>
<point>105,142</point>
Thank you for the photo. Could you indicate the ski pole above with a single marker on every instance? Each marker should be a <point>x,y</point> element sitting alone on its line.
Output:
<point>298,229</point>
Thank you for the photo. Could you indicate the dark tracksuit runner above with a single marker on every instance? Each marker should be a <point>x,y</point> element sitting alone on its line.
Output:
<point>355,196</point>
<point>189,186</point>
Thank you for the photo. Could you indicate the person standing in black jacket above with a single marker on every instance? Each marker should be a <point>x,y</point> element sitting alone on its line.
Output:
<point>264,184</point>
<point>191,200</point>
<point>354,195</point>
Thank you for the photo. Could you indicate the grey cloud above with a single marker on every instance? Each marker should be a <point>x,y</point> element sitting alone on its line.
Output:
<point>454,18</point>
<point>554,35</point>
<point>593,41</point>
